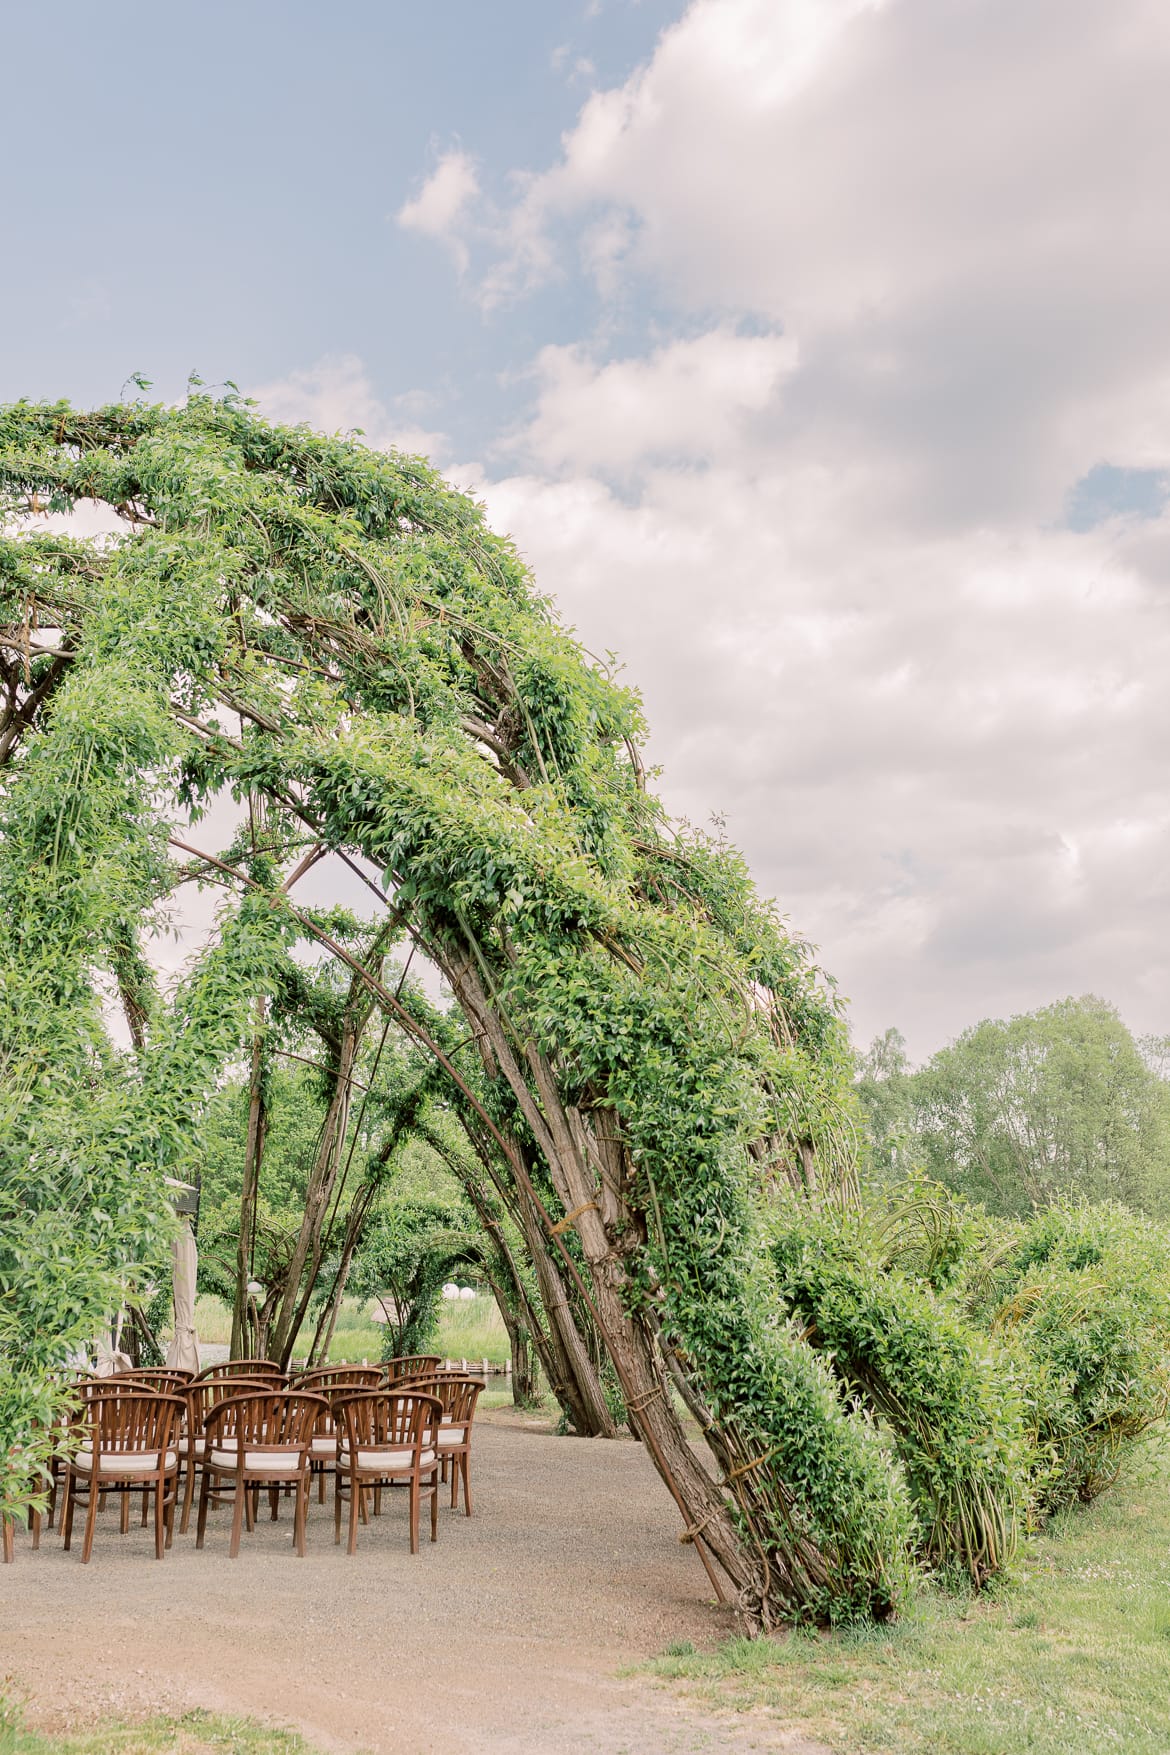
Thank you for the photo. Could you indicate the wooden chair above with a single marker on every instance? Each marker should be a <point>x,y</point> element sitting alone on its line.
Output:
<point>56,1464</point>
<point>458,1396</point>
<point>84,1390</point>
<point>202,1396</point>
<point>410,1365</point>
<point>387,1438</point>
<point>258,1438</point>
<point>333,1381</point>
<point>128,1444</point>
<point>241,1368</point>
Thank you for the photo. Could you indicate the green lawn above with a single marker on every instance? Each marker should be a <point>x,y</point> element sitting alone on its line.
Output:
<point>1073,1658</point>
<point>194,1733</point>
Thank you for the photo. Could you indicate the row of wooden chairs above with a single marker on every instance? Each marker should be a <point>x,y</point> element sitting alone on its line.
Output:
<point>169,1379</point>
<point>238,1433</point>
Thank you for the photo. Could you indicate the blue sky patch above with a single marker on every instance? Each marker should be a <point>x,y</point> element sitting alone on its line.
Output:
<point>1109,491</point>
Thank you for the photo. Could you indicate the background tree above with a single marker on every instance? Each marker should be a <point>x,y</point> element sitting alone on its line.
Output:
<point>884,1087</point>
<point>1054,1103</point>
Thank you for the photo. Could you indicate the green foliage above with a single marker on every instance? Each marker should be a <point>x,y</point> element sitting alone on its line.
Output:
<point>1085,1299</point>
<point>1060,1103</point>
<point>938,1386</point>
<point>415,1246</point>
<point>1076,1304</point>
<point>294,1121</point>
<point>884,1087</point>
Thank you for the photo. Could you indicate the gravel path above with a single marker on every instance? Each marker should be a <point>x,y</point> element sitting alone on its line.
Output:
<point>506,1637</point>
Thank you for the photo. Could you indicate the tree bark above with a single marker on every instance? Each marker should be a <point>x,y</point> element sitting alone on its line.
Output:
<point>355,1223</point>
<point>587,1174</point>
<point>242,1338</point>
<point>305,1262</point>
<point>572,1374</point>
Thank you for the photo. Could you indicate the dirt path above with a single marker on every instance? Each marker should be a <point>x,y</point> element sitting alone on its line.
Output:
<point>507,1636</point>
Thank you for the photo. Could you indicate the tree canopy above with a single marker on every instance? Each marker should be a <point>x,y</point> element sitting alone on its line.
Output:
<point>1060,1102</point>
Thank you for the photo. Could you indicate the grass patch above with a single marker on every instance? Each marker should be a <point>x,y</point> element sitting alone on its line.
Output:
<point>192,1733</point>
<point>469,1328</point>
<point>213,1320</point>
<point>1074,1655</point>
<point>472,1329</point>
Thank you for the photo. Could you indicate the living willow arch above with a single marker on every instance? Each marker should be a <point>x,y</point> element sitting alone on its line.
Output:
<point>336,631</point>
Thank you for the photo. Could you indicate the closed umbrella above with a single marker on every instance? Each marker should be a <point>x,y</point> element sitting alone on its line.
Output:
<point>183,1352</point>
<point>110,1357</point>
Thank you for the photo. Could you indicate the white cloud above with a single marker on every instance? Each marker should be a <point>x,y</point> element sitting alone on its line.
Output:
<point>688,398</point>
<point>336,395</point>
<point>910,274</point>
<point>906,742</point>
<point>441,205</point>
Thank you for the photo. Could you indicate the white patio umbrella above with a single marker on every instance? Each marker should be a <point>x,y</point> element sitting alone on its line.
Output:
<point>183,1352</point>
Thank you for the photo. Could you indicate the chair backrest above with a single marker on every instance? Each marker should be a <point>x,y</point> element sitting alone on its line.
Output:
<point>265,1419</point>
<point>325,1378</point>
<point>205,1394</point>
<point>393,1419</point>
<point>86,1389</point>
<point>458,1396</point>
<point>242,1368</point>
<point>159,1377</point>
<point>449,1374</point>
<point>125,1420</point>
<point>411,1365</point>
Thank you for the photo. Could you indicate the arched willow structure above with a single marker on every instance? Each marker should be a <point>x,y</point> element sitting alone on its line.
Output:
<point>336,633</point>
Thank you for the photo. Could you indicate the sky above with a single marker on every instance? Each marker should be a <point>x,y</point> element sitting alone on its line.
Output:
<point>816,353</point>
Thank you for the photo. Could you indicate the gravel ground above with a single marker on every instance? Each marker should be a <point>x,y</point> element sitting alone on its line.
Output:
<point>508,1636</point>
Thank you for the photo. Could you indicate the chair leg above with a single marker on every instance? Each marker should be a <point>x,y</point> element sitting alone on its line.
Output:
<point>124,1496</point>
<point>355,1499</point>
<point>9,1540</point>
<point>204,1493</point>
<point>67,1508</point>
<point>434,1509</point>
<point>454,1461</point>
<point>238,1516</point>
<point>337,1508</point>
<point>145,1506</point>
<point>320,1486</point>
<point>91,1517</point>
<point>300,1514</point>
<point>414,1514</point>
<point>160,1530</point>
<point>250,1496</point>
<point>465,1466</point>
<point>35,1525</point>
<point>188,1493</point>
<point>274,1503</point>
<point>172,1499</point>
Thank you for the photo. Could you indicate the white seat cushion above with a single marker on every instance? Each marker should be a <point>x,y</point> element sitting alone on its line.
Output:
<point>267,1461</point>
<point>389,1461</point>
<point>324,1446</point>
<point>124,1462</point>
<point>185,1444</point>
<point>451,1436</point>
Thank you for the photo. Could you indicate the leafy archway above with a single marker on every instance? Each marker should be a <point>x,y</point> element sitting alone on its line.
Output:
<point>336,632</point>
